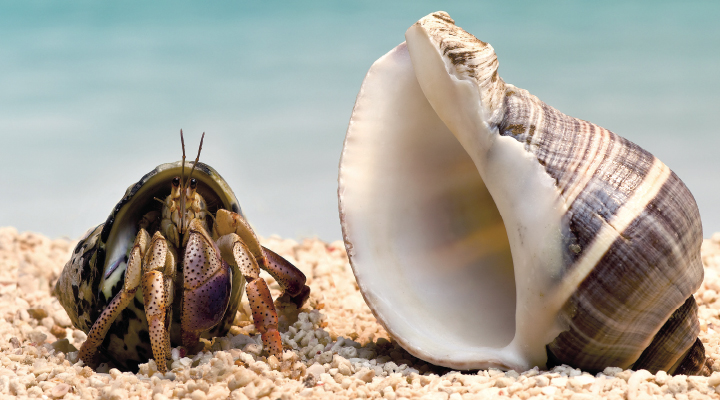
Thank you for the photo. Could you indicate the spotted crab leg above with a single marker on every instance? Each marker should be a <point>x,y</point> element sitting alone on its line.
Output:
<point>158,275</point>
<point>240,247</point>
<point>291,279</point>
<point>88,350</point>
<point>264,315</point>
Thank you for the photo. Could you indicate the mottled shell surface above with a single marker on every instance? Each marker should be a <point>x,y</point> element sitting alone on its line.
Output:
<point>96,270</point>
<point>488,229</point>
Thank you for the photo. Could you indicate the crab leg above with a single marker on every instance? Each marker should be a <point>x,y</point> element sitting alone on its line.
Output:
<point>264,315</point>
<point>239,246</point>
<point>291,279</point>
<point>88,350</point>
<point>158,272</point>
<point>234,250</point>
<point>229,222</point>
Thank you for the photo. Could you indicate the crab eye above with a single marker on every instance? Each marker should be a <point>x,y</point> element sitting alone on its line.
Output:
<point>193,183</point>
<point>176,181</point>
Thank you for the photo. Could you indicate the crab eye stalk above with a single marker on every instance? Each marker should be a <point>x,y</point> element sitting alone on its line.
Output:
<point>193,183</point>
<point>176,181</point>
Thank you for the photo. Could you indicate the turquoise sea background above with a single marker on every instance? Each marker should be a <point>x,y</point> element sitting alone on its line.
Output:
<point>93,94</point>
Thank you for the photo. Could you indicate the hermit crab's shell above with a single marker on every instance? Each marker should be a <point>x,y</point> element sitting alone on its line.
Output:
<point>487,229</point>
<point>95,273</point>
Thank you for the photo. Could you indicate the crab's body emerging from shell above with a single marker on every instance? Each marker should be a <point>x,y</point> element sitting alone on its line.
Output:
<point>168,266</point>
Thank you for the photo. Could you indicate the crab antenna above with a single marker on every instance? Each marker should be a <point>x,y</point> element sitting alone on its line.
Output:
<point>182,141</point>
<point>182,177</point>
<point>196,159</point>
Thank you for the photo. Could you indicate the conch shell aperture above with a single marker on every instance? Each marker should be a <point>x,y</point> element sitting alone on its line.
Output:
<point>487,229</point>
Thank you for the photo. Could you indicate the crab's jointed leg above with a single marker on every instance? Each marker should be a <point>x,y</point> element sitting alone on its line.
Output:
<point>152,264</point>
<point>229,222</point>
<point>291,279</point>
<point>158,275</point>
<point>239,245</point>
<point>264,315</point>
<point>263,310</point>
<point>133,272</point>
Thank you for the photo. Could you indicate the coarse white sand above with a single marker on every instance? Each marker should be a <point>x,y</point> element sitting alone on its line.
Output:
<point>339,349</point>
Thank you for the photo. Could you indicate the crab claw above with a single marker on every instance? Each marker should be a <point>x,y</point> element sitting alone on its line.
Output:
<point>207,286</point>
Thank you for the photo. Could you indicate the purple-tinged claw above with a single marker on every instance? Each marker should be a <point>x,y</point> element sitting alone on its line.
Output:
<point>204,306</point>
<point>207,285</point>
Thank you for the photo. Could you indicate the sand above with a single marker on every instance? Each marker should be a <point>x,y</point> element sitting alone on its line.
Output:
<point>339,349</point>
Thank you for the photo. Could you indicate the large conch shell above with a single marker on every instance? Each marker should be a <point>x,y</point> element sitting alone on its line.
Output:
<point>487,229</point>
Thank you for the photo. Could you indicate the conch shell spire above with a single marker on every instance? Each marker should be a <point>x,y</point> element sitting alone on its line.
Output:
<point>465,57</point>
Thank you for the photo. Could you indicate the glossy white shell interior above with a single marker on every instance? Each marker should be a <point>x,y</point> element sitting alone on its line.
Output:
<point>453,231</point>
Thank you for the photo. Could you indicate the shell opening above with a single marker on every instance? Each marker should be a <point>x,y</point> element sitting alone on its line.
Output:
<point>435,249</point>
<point>140,199</point>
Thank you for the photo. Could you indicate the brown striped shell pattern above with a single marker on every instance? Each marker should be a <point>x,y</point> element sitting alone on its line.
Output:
<point>488,229</point>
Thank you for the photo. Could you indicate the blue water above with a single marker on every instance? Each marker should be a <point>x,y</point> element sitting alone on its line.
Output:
<point>93,94</point>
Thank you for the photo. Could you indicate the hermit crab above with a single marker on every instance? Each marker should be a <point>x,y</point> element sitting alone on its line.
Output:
<point>488,229</point>
<point>168,265</point>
